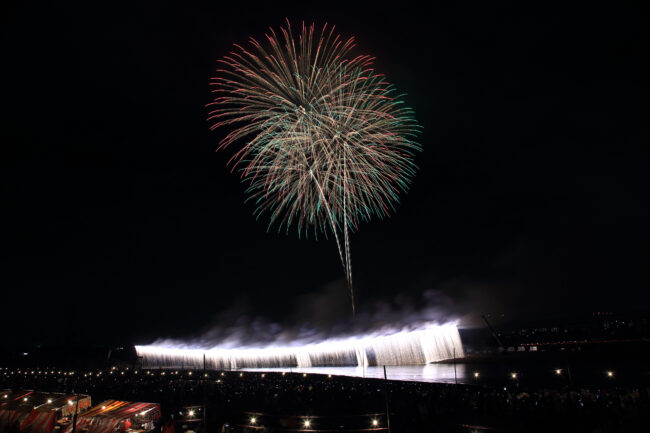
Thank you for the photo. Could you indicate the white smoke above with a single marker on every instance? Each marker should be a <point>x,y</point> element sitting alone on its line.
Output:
<point>400,332</point>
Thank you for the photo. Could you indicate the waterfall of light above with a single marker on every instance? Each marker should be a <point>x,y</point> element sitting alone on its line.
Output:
<point>426,344</point>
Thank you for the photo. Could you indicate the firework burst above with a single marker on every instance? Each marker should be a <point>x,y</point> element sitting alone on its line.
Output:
<point>322,140</point>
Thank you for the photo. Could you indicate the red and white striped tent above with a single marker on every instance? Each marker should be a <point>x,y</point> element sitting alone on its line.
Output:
<point>111,414</point>
<point>15,410</point>
<point>34,412</point>
<point>83,421</point>
<point>39,422</point>
<point>66,405</point>
<point>43,418</point>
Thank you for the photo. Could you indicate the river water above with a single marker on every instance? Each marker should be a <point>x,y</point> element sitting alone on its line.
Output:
<point>548,373</point>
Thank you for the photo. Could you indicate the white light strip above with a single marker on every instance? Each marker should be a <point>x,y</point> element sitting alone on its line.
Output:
<point>430,343</point>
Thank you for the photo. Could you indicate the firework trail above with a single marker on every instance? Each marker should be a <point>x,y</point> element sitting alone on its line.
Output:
<point>323,141</point>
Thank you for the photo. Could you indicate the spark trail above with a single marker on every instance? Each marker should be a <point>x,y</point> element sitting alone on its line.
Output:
<point>322,140</point>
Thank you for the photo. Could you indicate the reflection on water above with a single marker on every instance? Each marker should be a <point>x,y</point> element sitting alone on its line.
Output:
<point>443,373</point>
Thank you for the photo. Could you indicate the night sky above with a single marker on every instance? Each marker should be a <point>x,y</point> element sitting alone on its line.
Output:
<point>121,223</point>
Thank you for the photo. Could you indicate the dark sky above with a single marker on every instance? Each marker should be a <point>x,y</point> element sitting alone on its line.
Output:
<point>121,219</point>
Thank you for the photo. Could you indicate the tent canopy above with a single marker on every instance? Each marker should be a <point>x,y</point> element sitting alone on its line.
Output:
<point>26,401</point>
<point>110,414</point>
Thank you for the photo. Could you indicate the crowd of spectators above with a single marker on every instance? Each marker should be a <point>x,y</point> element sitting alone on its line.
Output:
<point>278,400</point>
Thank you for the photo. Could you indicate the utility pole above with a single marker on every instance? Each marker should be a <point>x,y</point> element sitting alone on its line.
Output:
<point>386,399</point>
<point>568,370</point>
<point>205,398</point>
<point>494,333</point>
<point>74,415</point>
<point>455,376</point>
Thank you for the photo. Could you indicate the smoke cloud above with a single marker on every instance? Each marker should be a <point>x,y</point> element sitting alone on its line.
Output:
<point>326,314</point>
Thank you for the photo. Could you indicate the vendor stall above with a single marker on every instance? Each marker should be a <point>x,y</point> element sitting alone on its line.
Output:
<point>17,409</point>
<point>112,415</point>
<point>58,410</point>
<point>34,412</point>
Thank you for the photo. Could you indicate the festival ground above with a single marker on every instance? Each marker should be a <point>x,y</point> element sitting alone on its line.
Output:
<point>239,401</point>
